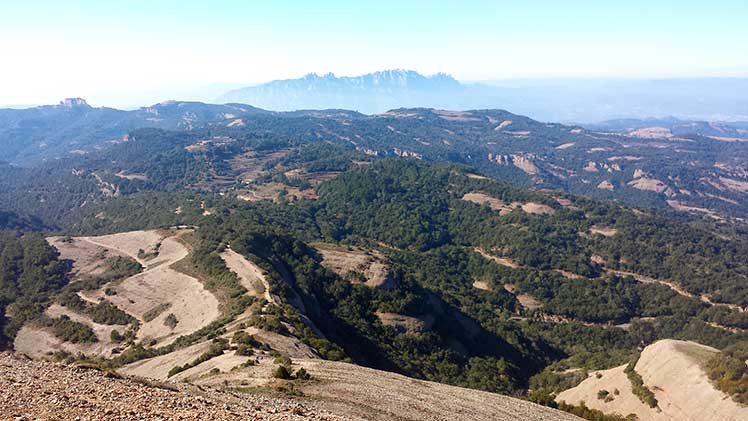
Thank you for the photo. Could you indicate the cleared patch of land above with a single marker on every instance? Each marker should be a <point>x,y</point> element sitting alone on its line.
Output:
<point>503,208</point>
<point>158,367</point>
<point>482,285</point>
<point>604,231</point>
<point>409,324</point>
<point>529,302</point>
<point>735,185</point>
<point>346,262</point>
<point>652,133</point>
<point>140,177</point>
<point>456,115</point>
<point>649,184</point>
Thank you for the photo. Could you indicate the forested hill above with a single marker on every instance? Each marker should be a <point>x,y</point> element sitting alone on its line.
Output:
<point>72,127</point>
<point>705,176</point>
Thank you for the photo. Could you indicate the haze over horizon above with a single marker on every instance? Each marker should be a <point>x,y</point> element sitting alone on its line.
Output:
<point>139,53</point>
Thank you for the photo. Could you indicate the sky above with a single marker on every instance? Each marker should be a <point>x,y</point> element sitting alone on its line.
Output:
<point>133,53</point>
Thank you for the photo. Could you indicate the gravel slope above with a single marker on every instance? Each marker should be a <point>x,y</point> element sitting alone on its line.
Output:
<point>42,390</point>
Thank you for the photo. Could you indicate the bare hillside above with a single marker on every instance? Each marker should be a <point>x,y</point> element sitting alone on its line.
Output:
<point>673,371</point>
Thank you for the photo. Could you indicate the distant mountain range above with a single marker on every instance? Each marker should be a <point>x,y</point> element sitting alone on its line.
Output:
<point>564,100</point>
<point>671,126</point>
<point>370,93</point>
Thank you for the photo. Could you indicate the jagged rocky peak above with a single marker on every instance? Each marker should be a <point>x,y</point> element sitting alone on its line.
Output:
<point>74,103</point>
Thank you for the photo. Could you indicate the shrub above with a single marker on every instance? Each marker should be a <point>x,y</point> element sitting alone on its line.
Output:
<point>71,331</point>
<point>171,321</point>
<point>270,323</point>
<point>108,314</point>
<point>216,348</point>
<point>282,372</point>
<point>302,374</point>
<point>116,336</point>
<point>282,360</point>
<point>602,394</point>
<point>176,370</point>
<point>72,301</point>
<point>244,350</point>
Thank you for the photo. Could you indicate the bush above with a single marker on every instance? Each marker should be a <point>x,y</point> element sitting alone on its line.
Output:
<point>108,314</point>
<point>302,374</point>
<point>269,323</point>
<point>116,336</point>
<point>176,370</point>
<point>602,394</point>
<point>72,301</point>
<point>244,350</point>
<point>282,360</point>
<point>282,372</point>
<point>71,331</point>
<point>171,321</point>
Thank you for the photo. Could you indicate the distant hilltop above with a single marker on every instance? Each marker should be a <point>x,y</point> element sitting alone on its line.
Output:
<point>74,103</point>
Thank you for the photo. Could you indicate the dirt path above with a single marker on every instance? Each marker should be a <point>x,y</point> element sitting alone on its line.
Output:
<point>503,261</point>
<point>675,287</point>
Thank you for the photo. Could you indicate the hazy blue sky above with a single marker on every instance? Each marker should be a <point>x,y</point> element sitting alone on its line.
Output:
<point>123,53</point>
